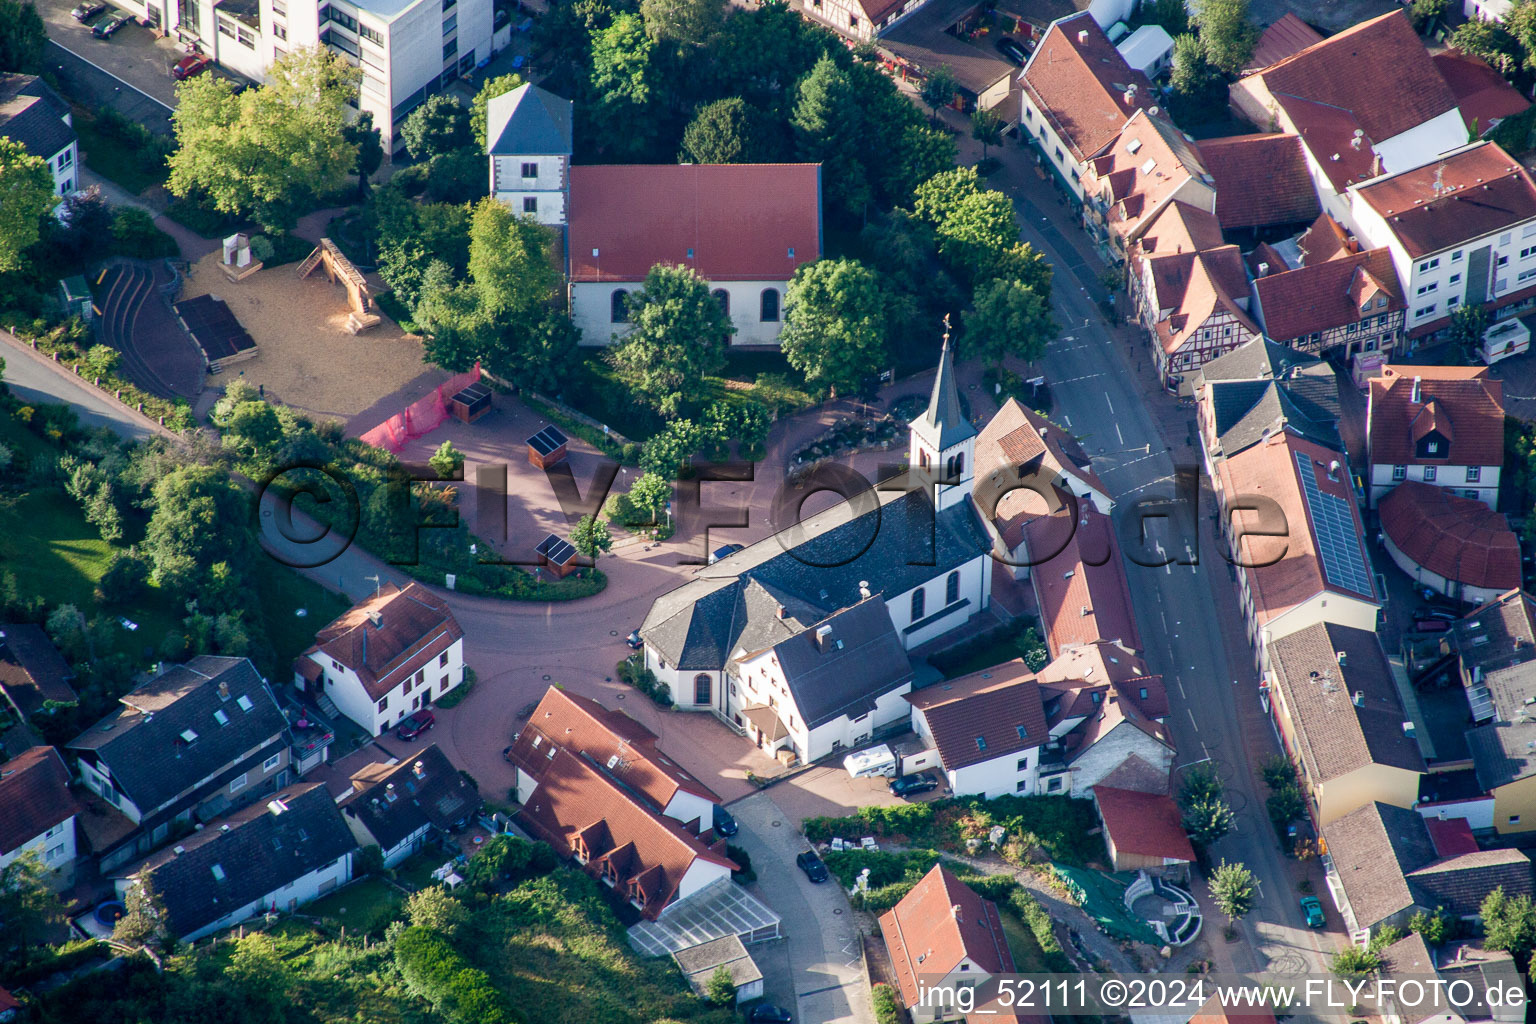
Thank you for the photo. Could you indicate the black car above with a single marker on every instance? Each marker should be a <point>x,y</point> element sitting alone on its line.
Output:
<point>765,1013</point>
<point>87,11</point>
<point>1011,49</point>
<point>108,27</point>
<point>725,825</point>
<point>911,785</point>
<point>634,641</point>
<point>811,864</point>
<point>1431,612</point>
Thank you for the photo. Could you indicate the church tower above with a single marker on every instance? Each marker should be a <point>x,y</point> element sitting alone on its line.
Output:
<point>943,442</point>
<point>528,141</point>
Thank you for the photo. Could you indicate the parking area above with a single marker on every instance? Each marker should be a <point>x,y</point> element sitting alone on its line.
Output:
<point>132,55</point>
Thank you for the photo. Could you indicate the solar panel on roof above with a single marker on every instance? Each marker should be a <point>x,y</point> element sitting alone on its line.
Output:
<point>1333,524</point>
<point>547,440</point>
<point>556,550</point>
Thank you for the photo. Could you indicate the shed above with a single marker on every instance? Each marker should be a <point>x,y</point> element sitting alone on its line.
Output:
<point>1149,50</point>
<point>699,963</point>
<point>558,555</point>
<point>547,447</point>
<point>75,294</point>
<point>1143,831</point>
<point>472,402</point>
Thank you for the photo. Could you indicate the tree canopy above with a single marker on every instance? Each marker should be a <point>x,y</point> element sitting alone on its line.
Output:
<point>492,88</point>
<point>677,338</point>
<point>1007,318</point>
<point>1226,33</point>
<point>440,125</point>
<point>23,37</point>
<point>835,323</point>
<point>722,132</point>
<point>26,194</point>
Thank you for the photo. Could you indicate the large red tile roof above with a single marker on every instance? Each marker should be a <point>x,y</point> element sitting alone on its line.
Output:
<point>1465,195</point>
<point>939,923</point>
<point>1483,95</point>
<point>1196,287</point>
<point>1146,824</point>
<point>1180,227</point>
<point>1019,439</point>
<point>1453,537</point>
<point>1466,398</point>
<point>1325,295</point>
<point>986,714</point>
<point>1079,580</point>
<point>414,627</point>
<point>1260,180</point>
<point>1329,132</point>
<point>741,222</point>
<point>1225,1008</point>
<point>1081,84</point>
<point>1148,161</point>
<point>34,797</point>
<point>1290,35</point>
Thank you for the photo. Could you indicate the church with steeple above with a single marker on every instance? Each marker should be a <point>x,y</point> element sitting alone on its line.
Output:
<point>801,642</point>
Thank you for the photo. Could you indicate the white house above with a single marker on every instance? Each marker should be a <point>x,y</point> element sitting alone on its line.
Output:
<point>33,114</point>
<point>275,856</point>
<point>987,729</point>
<point>1439,425</point>
<point>400,807</point>
<point>390,655</point>
<point>528,141</point>
<point>37,810</point>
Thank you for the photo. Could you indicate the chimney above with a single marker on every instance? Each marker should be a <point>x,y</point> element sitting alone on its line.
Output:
<point>1043,431</point>
<point>419,770</point>
<point>1408,729</point>
<point>1082,36</point>
<point>864,589</point>
<point>177,851</point>
<point>1263,269</point>
<point>779,611</point>
<point>954,911</point>
<point>1417,390</point>
<point>223,828</point>
<point>1359,698</point>
<point>1340,655</point>
<point>389,792</point>
<point>223,690</point>
<point>824,638</point>
<point>377,619</point>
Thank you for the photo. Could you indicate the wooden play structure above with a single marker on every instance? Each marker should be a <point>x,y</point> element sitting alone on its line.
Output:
<point>341,271</point>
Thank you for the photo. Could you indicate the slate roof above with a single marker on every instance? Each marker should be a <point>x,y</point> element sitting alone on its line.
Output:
<point>1483,95</point>
<point>528,121</point>
<point>414,627</point>
<point>1464,195</point>
<point>1322,296</point>
<point>811,571</point>
<point>1453,537</point>
<point>1290,35</point>
<point>860,659</point>
<point>1260,359</point>
<point>1467,397</point>
<point>939,923</point>
<point>33,122</point>
<point>34,797</point>
<point>394,805</point>
<point>1261,180</point>
<point>984,715</point>
<point>584,726</point>
<point>943,424</point>
<point>1081,85</point>
<point>1335,735</point>
<point>1304,399</point>
<point>1459,883</point>
<point>1373,850</point>
<point>1079,580</point>
<point>1145,824</point>
<point>144,742</point>
<point>32,671</point>
<point>742,222</point>
<point>258,850</point>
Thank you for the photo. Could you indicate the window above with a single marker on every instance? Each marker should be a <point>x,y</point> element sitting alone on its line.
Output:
<point>1453,302</point>
<point>271,763</point>
<point>1502,261</point>
<point>1424,311</point>
<point>280,7</point>
<point>1022,730</point>
<point>530,169</point>
<point>450,23</point>
<point>530,205</point>
<point>1399,472</point>
<point>918,600</point>
<point>226,28</point>
<point>1514,819</point>
<point>1474,474</point>
<point>246,37</point>
<point>442,659</point>
<point>1425,289</point>
<point>449,5</point>
<point>1469,494</point>
<point>618,306</point>
<point>237,783</point>
<point>443,686</point>
<point>66,158</point>
<point>1455,279</point>
<point>373,35</point>
<point>1526,275</point>
<point>1504,238</point>
<point>55,852</point>
<point>981,743</point>
<point>1428,265</point>
<point>1429,474</point>
<point>383,704</point>
<point>1054,786</point>
<point>451,49</point>
<point>853,21</point>
<point>952,588</point>
<point>1456,256</point>
<point>703,692</point>
<point>768,306</point>
<point>723,297</point>
<point>1022,765</point>
<point>1021,786</point>
<point>279,31</point>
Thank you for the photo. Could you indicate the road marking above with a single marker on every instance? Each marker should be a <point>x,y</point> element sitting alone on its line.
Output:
<point>110,75</point>
<point>1110,404</point>
<point>1192,721</point>
<point>1074,380</point>
<point>1118,434</point>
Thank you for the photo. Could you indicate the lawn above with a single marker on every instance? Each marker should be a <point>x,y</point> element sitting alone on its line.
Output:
<point>282,593</point>
<point>416,872</point>
<point>112,155</point>
<point>1018,640</point>
<point>362,907</point>
<point>1027,957</point>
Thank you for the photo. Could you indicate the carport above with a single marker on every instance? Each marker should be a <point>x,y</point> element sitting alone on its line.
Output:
<point>719,909</point>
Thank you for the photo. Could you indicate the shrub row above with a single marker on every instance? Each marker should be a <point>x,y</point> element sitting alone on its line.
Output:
<point>887,1010</point>
<point>1023,903</point>
<point>633,671</point>
<point>435,971</point>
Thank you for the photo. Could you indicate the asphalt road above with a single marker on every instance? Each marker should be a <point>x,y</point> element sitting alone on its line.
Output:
<point>31,380</point>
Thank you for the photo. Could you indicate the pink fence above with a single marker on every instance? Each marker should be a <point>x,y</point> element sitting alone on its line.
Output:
<point>422,416</point>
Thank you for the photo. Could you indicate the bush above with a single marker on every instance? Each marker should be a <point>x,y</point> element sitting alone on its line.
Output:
<point>1023,903</point>
<point>455,696</point>
<point>744,861</point>
<point>369,860</point>
<point>126,579</point>
<point>434,970</point>
<point>887,1010</point>
<point>135,235</point>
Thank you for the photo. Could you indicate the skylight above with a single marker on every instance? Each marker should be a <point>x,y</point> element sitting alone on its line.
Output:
<point>221,717</point>
<point>245,703</point>
<point>189,736</point>
<point>981,743</point>
<point>218,872</point>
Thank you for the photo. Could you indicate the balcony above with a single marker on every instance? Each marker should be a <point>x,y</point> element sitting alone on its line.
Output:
<point>309,736</point>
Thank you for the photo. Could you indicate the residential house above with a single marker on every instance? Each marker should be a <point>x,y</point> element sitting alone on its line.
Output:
<point>387,656</point>
<point>1485,971</point>
<point>985,730</point>
<point>1483,95</point>
<point>1144,832</point>
<point>1309,566</point>
<point>1496,654</point>
<point>625,748</point>
<point>1150,164</point>
<point>922,551</point>
<point>1078,92</point>
<point>1149,49</point>
<point>1461,230</point>
<point>1079,580</point>
<point>406,50</point>
<point>34,115</point>
<point>648,859</point>
<point>400,807</point>
<point>32,671</point>
<point>1104,714</point>
<point>273,856</point>
<point>37,810</point>
<point>1452,545</point>
<point>1259,390</point>
<point>1441,425</point>
<point>1287,36</point>
<point>1261,181</point>
<point>859,20</point>
<point>528,142</point>
<point>1336,708</point>
<point>942,936</point>
<point>188,745</point>
<point>1351,306</point>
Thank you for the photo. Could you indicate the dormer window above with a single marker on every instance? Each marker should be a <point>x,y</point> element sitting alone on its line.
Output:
<point>1432,447</point>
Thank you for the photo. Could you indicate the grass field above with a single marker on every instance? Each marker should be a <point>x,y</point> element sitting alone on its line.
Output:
<point>132,166</point>
<point>365,906</point>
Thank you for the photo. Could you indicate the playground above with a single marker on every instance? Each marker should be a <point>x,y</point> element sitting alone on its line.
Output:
<point>307,355</point>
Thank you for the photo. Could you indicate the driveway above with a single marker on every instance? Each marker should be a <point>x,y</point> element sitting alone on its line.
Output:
<point>820,929</point>
<point>132,56</point>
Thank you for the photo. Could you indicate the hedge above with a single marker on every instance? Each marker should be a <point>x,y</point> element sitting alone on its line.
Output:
<point>887,1010</point>
<point>1023,903</point>
<point>435,971</point>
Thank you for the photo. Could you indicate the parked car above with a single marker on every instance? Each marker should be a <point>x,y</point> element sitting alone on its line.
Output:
<point>725,825</point>
<point>1431,625</point>
<point>415,724</point>
<point>87,11</point>
<point>764,1013</point>
<point>105,29</point>
<point>1429,611</point>
<point>190,65</point>
<point>724,552</point>
<point>634,641</point>
<point>911,785</point>
<point>811,864</point>
<point>1011,49</point>
<point>1312,910</point>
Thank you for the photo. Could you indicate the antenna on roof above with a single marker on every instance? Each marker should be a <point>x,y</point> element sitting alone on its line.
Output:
<point>378,586</point>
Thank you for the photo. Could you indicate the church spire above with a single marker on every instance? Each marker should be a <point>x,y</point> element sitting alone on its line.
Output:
<point>943,424</point>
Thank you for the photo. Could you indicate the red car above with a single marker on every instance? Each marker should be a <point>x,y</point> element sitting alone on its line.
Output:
<point>190,65</point>
<point>1431,625</point>
<point>417,723</point>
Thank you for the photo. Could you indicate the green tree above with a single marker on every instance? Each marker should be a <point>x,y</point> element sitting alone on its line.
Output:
<point>590,535</point>
<point>1226,33</point>
<point>940,88</point>
<point>1232,889</point>
<point>688,22</point>
<point>439,125</point>
<point>835,325</point>
<point>510,261</point>
<point>267,151</point>
<point>1207,820</point>
<point>26,194</point>
<point>436,909</point>
<point>263,977</point>
<point>198,522</point>
<point>125,581</point>
<point>1191,74</point>
<point>622,70</point>
<point>143,922</point>
<point>920,153</point>
<point>1489,41</point>
<point>370,151</point>
<point>1434,926</point>
<point>987,129</point>
<point>1172,15</point>
<point>1277,772</point>
<point>27,906</point>
<point>678,337</point>
<point>669,449</point>
<point>721,132</point>
<point>23,38</point>
<point>1354,962</point>
<point>649,495</point>
<point>829,127</point>
<point>974,227</point>
<point>1509,923</point>
<point>1468,322</point>
<point>720,989</point>
<point>1007,318</point>
<point>447,461</point>
<point>1285,805</point>
<point>1520,23</point>
<point>1422,12</point>
<point>492,88</point>
<point>1200,783</point>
